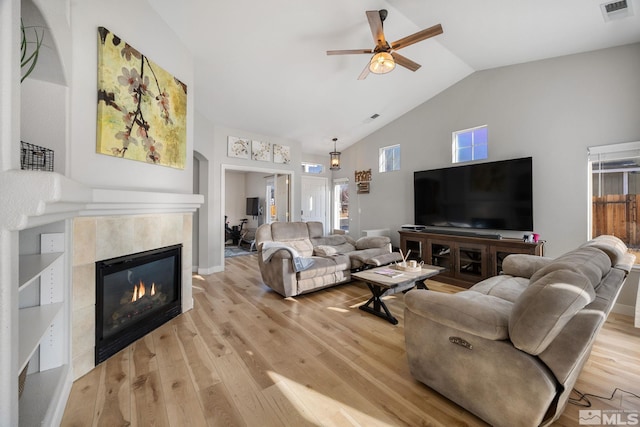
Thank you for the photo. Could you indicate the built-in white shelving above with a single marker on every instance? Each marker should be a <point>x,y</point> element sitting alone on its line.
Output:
<point>43,332</point>
<point>32,266</point>
<point>35,404</point>
<point>34,324</point>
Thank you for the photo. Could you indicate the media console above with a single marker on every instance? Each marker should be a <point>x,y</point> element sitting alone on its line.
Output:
<point>467,258</point>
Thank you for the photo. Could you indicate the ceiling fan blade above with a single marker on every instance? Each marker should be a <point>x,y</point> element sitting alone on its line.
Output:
<point>363,75</point>
<point>349,51</point>
<point>375,22</point>
<point>405,62</point>
<point>417,37</point>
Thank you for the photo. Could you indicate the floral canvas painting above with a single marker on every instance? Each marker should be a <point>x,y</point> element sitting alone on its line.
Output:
<point>238,147</point>
<point>281,154</point>
<point>142,109</point>
<point>261,151</point>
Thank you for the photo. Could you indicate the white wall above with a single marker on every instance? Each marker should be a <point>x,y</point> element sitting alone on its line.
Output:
<point>234,199</point>
<point>211,143</point>
<point>140,26</point>
<point>43,118</point>
<point>551,110</point>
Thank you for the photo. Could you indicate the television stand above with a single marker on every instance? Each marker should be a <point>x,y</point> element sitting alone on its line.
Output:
<point>467,258</point>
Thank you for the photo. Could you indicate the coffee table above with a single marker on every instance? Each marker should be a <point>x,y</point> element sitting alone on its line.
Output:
<point>379,284</point>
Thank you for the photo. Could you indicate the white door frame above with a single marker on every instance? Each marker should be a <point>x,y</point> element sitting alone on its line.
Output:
<point>223,171</point>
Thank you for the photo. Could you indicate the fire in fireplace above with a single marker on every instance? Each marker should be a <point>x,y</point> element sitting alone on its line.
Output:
<point>135,294</point>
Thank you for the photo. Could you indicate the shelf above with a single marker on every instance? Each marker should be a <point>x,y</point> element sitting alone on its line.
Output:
<point>31,266</point>
<point>41,392</point>
<point>34,322</point>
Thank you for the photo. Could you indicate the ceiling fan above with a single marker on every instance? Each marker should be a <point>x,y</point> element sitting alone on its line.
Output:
<point>385,55</point>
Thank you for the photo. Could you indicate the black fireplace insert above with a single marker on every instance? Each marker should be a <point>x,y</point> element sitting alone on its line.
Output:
<point>135,294</point>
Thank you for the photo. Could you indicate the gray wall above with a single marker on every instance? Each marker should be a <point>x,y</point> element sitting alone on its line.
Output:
<point>551,110</point>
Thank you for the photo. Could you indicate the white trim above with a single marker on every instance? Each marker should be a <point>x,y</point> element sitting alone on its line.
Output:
<point>609,148</point>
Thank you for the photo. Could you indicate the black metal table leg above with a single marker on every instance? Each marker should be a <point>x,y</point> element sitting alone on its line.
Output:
<point>421,285</point>
<point>379,307</point>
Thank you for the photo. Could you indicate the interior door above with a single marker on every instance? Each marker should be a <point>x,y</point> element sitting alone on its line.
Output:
<point>314,200</point>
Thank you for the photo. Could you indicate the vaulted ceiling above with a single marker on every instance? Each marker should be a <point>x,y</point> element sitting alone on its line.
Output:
<point>262,67</point>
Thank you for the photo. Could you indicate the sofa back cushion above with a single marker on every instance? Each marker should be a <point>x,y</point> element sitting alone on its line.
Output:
<point>610,245</point>
<point>294,234</point>
<point>315,228</point>
<point>372,242</point>
<point>588,261</point>
<point>546,306</point>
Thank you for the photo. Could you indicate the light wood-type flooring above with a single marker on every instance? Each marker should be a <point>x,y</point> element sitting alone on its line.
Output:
<point>244,356</point>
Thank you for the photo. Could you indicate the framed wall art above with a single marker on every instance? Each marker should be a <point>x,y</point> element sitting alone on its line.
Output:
<point>261,151</point>
<point>238,147</point>
<point>281,154</point>
<point>142,108</point>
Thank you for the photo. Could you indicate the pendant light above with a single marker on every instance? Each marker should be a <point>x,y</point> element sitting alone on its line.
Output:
<point>335,157</point>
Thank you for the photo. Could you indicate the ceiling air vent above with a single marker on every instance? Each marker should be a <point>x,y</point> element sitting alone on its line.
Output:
<point>372,118</point>
<point>615,10</point>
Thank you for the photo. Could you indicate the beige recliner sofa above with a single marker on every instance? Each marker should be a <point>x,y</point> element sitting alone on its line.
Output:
<point>511,347</point>
<point>333,257</point>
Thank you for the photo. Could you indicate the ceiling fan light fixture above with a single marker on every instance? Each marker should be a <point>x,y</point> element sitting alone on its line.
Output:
<point>382,63</point>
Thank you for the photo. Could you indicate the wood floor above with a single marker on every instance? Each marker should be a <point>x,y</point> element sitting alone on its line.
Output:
<point>244,356</point>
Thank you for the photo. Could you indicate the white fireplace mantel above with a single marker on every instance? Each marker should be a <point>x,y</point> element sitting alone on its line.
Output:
<point>32,198</point>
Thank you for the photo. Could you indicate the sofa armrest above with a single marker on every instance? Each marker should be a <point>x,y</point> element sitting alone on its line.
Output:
<point>524,265</point>
<point>626,262</point>
<point>482,315</point>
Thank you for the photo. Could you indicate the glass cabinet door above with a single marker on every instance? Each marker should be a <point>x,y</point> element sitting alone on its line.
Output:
<point>441,255</point>
<point>471,261</point>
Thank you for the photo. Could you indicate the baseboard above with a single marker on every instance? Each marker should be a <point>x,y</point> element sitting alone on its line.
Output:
<point>627,310</point>
<point>210,270</point>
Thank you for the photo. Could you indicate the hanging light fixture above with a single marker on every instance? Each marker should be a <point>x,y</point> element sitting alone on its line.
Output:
<point>382,63</point>
<point>335,157</point>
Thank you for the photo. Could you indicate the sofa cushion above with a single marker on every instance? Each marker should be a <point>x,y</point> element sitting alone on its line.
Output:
<point>370,242</point>
<point>504,287</point>
<point>360,257</point>
<point>323,266</point>
<point>323,250</point>
<point>545,307</point>
<point>469,311</point>
<point>315,229</point>
<point>330,240</point>
<point>588,261</point>
<point>524,265</point>
<point>610,245</point>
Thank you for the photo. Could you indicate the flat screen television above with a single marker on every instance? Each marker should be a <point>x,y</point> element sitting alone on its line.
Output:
<point>253,204</point>
<point>493,195</point>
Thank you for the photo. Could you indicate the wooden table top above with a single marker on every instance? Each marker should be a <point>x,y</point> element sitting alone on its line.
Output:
<point>375,276</point>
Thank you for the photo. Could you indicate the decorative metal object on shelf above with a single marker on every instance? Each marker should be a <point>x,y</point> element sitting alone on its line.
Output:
<point>34,157</point>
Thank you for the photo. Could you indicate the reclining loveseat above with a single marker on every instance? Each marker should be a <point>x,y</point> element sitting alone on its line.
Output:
<point>330,259</point>
<point>510,348</point>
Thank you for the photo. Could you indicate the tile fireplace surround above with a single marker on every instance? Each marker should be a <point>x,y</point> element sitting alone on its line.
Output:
<point>99,238</point>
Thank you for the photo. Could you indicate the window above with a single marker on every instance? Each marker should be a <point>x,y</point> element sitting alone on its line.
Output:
<point>314,168</point>
<point>341,204</point>
<point>390,158</point>
<point>470,144</point>
<point>615,189</point>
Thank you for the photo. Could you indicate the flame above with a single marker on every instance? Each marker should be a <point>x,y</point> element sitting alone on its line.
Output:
<point>153,288</point>
<point>139,291</point>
